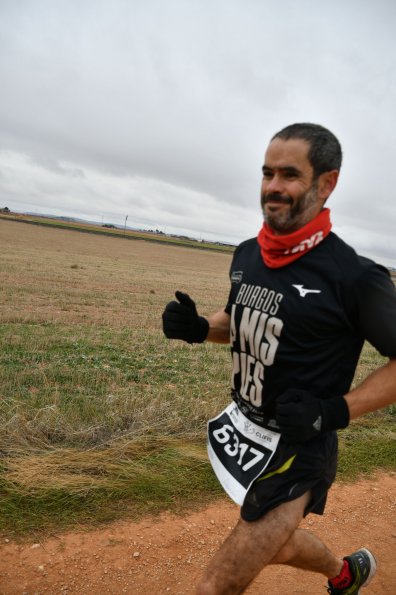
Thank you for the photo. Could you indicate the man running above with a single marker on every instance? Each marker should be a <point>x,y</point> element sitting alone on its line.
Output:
<point>300,307</point>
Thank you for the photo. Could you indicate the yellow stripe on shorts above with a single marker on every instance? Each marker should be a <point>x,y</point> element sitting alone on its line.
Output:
<point>282,469</point>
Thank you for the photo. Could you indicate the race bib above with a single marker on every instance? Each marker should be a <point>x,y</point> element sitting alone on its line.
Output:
<point>239,450</point>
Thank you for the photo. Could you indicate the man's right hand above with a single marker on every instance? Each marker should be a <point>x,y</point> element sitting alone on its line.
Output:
<point>180,320</point>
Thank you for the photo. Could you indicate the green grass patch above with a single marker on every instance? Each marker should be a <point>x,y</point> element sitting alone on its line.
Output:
<point>368,444</point>
<point>67,387</point>
<point>100,423</point>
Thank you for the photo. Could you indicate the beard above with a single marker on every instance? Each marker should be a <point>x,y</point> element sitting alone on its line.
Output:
<point>302,209</point>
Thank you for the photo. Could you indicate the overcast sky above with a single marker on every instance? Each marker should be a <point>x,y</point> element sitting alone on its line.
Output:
<point>161,110</point>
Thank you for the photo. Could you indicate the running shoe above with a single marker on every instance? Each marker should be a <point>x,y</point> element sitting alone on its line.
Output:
<point>363,566</point>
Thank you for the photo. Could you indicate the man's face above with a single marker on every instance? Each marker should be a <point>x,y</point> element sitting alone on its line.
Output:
<point>289,195</point>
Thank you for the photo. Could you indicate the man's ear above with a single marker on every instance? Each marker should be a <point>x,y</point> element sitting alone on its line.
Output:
<point>326,183</point>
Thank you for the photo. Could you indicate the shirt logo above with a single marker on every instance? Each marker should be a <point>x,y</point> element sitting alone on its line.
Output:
<point>318,424</point>
<point>307,244</point>
<point>303,292</point>
<point>236,276</point>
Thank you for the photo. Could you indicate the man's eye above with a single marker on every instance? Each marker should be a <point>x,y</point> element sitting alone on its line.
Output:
<point>267,174</point>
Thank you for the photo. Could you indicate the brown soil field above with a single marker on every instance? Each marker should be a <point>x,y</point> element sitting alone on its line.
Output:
<point>71,277</point>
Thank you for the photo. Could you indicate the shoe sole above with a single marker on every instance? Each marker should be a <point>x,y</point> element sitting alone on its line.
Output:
<point>373,567</point>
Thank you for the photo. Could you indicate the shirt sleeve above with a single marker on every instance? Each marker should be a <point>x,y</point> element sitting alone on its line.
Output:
<point>375,293</point>
<point>228,306</point>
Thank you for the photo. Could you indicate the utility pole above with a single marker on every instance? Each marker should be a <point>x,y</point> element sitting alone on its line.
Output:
<point>125,224</point>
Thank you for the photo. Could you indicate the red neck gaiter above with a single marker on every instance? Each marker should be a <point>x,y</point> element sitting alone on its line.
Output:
<point>278,251</point>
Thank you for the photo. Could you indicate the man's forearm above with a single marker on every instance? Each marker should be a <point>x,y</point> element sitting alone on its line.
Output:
<point>219,327</point>
<point>376,392</point>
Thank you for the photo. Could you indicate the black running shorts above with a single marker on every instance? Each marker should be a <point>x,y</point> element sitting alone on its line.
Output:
<point>293,471</point>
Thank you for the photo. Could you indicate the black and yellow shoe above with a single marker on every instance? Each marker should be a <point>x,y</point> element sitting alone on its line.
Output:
<point>363,566</point>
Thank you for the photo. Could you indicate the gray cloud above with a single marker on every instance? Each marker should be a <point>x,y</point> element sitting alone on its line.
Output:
<point>168,107</point>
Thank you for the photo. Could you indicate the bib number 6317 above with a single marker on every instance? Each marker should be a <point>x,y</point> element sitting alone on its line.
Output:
<point>239,450</point>
<point>233,447</point>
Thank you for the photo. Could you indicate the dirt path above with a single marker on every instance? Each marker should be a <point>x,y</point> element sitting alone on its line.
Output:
<point>166,555</point>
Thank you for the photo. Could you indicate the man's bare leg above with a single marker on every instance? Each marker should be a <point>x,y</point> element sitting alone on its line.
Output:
<point>273,539</point>
<point>304,550</point>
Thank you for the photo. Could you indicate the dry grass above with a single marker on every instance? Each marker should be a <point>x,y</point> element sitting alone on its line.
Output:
<point>97,407</point>
<point>67,297</point>
<point>79,472</point>
<point>88,380</point>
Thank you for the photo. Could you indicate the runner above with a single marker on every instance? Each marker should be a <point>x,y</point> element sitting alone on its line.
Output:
<point>300,307</point>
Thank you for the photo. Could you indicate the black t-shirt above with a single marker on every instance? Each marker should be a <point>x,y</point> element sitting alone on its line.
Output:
<point>304,325</point>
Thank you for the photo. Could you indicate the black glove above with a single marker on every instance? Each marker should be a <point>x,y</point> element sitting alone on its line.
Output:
<point>180,320</point>
<point>301,416</point>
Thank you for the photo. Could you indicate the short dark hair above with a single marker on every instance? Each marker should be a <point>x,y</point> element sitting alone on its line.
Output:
<point>325,151</point>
